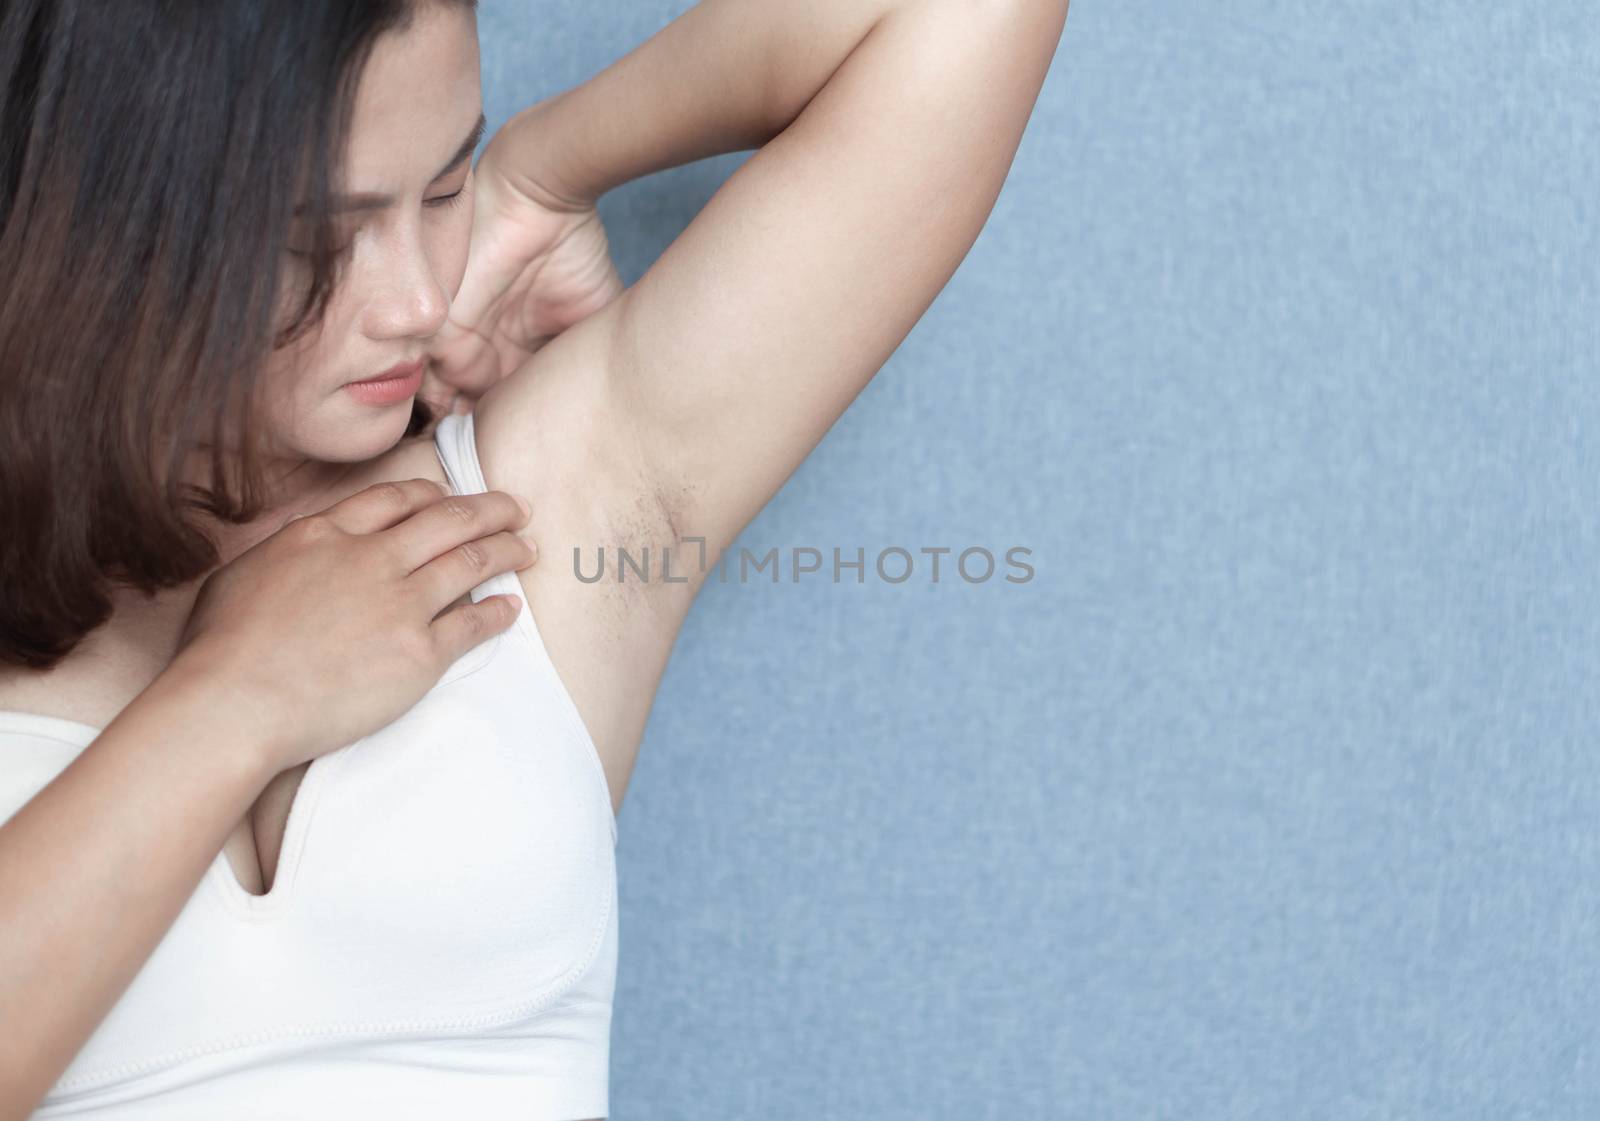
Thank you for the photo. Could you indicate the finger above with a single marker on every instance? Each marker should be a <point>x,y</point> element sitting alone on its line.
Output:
<point>436,394</point>
<point>494,259</point>
<point>461,628</point>
<point>383,505</point>
<point>453,521</point>
<point>510,355</point>
<point>463,359</point>
<point>451,575</point>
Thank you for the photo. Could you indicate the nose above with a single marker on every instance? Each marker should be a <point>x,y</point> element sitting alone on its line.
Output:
<point>408,300</point>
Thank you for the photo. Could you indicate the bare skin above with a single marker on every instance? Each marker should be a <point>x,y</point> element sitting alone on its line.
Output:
<point>612,669</point>
<point>611,673</point>
<point>682,405</point>
<point>321,445</point>
<point>676,409</point>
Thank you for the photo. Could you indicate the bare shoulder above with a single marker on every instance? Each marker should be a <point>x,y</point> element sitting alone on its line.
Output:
<point>412,458</point>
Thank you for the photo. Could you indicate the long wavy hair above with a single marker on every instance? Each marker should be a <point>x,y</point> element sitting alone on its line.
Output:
<point>151,156</point>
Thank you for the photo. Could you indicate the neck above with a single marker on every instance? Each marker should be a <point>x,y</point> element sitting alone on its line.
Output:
<point>293,485</point>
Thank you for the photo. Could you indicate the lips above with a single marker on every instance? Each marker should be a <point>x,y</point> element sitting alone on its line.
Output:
<point>395,373</point>
<point>393,386</point>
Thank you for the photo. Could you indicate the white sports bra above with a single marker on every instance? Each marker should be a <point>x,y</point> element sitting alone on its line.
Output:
<point>440,939</point>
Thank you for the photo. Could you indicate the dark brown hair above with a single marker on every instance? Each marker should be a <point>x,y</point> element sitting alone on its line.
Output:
<point>151,155</point>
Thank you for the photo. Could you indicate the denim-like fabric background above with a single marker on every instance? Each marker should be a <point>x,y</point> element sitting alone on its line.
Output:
<point>1272,795</point>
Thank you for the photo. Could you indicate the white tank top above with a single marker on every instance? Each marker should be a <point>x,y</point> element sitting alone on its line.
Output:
<point>440,939</point>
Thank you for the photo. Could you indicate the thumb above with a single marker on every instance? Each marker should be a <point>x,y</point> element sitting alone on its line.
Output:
<point>463,360</point>
<point>435,393</point>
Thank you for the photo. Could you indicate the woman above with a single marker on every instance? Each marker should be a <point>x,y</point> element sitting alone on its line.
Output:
<point>278,737</point>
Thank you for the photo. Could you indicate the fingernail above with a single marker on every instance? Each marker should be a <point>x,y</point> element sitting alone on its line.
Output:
<point>527,511</point>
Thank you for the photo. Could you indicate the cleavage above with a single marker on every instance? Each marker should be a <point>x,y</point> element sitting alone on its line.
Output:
<point>256,843</point>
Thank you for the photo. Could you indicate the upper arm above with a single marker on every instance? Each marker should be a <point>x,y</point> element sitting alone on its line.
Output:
<point>551,432</point>
<point>758,326</point>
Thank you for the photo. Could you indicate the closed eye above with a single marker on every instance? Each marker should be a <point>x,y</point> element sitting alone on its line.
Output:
<point>446,200</point>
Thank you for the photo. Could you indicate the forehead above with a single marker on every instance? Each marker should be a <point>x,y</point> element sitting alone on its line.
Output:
<point>419,94</point>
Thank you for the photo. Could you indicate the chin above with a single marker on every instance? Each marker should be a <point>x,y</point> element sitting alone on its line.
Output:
<point>374,432</point>
<point>353,434</point>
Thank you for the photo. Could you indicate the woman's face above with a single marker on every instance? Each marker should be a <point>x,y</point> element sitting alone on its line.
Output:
<point>403,218</point>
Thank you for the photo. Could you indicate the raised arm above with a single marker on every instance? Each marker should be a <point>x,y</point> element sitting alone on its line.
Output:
<point>885,132</point>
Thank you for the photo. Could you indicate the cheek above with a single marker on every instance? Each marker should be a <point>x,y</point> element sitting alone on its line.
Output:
<point>291,380</point>
<point>293,286</point>
<point>279,390</point>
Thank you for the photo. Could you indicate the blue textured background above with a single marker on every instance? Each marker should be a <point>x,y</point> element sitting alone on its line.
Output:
<point>1272,796</point>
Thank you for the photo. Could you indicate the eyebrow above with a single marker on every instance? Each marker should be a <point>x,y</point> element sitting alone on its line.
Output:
<point>374,201</point>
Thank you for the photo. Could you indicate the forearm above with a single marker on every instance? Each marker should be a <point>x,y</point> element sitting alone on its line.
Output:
<point>95,869</point>
<point>725,76</point>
